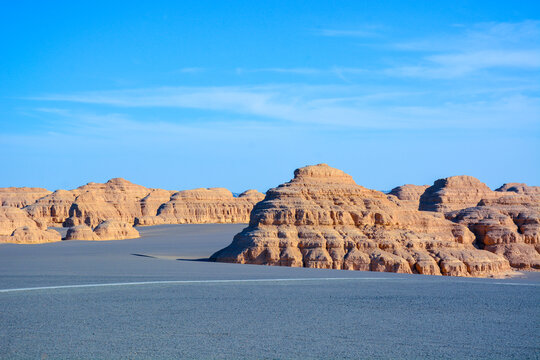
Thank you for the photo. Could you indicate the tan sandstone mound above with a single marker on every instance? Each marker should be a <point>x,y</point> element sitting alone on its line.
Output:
<point>21,196</point>
<point>455,193</point>
<point>323,219</point>
<point>31,235</point>
<point>107,230</point>
<point>199,206</point>
<point>117,199</point>
<point>409,194</point>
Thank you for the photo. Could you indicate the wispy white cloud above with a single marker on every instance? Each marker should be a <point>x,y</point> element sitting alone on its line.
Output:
<point>486,46</point>
<point>340,106</point>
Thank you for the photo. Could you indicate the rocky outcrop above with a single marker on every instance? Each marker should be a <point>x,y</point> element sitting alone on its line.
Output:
<point>199,206</point>
<point>12,218</point>
<point>21,196</point>
<point>455,193</point>
<point>323,219</point>
<point>53,209</point>
<point>117,199</point>
<point>107,230</point>
<point>520,188</point>
<point>508,225</point>
<point>409,194</point>
<point>17,227</point>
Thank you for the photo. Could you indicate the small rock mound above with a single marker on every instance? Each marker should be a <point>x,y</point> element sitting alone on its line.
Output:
<point>107,230</point>
<point>31,235</point>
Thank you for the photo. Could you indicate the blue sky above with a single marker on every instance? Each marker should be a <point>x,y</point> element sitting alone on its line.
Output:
<point>185,94</point>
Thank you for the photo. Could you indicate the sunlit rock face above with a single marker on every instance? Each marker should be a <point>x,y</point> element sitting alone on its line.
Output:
<point>323,219</point>
<point>199,206</point>
<point>16,226</point>
<point>21,196</point>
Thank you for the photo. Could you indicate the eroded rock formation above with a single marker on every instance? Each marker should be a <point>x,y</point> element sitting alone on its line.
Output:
<point>323,219</point>
<point>16,226</point>
<point>21,196</point>
<point>53,209</point>
<point>409,194</point>
<point>199,206</point>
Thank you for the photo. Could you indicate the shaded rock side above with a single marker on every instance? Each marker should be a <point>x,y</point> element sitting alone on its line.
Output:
<point>409,195</point>
<point>455,193</point>
<point>21,196</point>
<point>323,219</point>
<point>199,206</point>
<point>107,230</point>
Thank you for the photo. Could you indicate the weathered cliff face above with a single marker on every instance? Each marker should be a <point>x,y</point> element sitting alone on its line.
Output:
<point>199,206</point>
<point>107,230</point>
<point>21,196</point>
<point>117,199</point>
<point>12,218</point>
<point>323,219</point>
<point>455,193</point>
<point>16,226</point>
<point>53,209</point>
<point>508,225</point>
<point>409,195</point>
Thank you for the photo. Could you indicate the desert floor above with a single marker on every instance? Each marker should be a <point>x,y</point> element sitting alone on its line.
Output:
<point>154,298</point>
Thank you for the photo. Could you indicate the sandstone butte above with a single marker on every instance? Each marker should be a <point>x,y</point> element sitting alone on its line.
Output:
<point>122,202</point>
<point>323,219</point>
<point>16,226</point>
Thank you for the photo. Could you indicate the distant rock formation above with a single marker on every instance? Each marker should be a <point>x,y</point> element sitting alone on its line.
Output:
<point>409,194</point>
<point>107,230</point>
<point>323,219</point>
<point>21,196</point>
<point>454,193</point>
<point>117,199</point>
<point>199,206</point>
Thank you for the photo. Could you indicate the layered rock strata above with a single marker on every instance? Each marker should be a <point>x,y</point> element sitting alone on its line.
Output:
<point>17,227</point>
<point>198,206</point>
<point>409,194</point>
<point>21,196</point>
<point>323,219</point>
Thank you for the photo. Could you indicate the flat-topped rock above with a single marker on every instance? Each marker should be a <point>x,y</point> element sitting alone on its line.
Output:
<point>520,188</point>
<point>323,219</point>
<point>199,206</point>
<point>21,196</point>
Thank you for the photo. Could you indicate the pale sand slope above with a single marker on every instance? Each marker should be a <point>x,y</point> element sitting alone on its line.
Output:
<point>363,315</point>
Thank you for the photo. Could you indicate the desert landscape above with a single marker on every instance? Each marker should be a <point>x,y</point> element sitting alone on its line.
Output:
<point>270,180</point>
